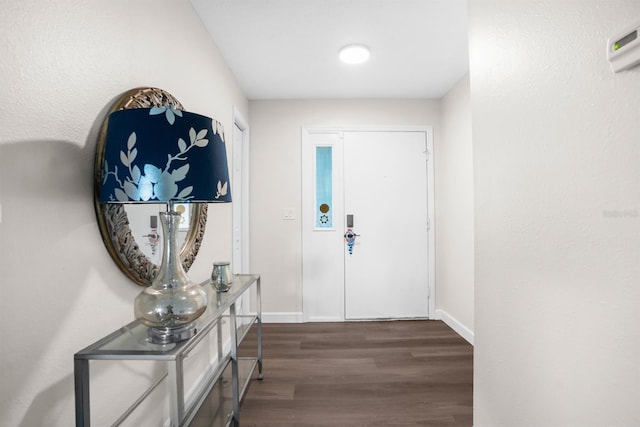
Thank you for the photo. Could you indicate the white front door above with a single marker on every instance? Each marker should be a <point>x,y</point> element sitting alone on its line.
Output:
<point>380,181</point>
<point>385,191</point>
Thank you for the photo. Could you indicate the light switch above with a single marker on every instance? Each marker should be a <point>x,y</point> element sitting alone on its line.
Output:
<point>287,213</point>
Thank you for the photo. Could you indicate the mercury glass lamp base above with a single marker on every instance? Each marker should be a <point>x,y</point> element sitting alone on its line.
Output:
<point>171,335</point>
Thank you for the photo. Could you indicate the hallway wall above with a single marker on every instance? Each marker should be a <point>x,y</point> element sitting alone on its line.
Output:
<point>556,148</point>
<point>454,212</point>
<point>63,63</point>
<point>276,244</point>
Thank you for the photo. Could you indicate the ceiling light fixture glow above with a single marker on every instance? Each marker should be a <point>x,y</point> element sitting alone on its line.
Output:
<point>354,54</point>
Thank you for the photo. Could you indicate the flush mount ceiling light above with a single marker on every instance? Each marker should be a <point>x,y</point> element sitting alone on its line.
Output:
<point>354,54</point>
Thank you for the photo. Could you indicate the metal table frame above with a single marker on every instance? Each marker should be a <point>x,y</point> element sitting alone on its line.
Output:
<point>130,343</point>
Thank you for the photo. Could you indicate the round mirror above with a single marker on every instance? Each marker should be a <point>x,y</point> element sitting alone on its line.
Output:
<point>127,232</point>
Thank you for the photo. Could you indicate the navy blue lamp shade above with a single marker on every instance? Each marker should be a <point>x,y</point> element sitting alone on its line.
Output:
<point>160,155</point>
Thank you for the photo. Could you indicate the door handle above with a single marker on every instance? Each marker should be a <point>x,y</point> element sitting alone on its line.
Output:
<point>350,239</point>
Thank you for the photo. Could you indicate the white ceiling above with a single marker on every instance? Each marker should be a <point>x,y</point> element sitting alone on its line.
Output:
<point>288,49</point>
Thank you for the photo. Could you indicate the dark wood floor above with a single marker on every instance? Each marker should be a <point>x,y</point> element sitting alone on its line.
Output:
<point>399,373</point>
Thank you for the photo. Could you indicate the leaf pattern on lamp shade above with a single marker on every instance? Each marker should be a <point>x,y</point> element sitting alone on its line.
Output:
<point>146,182</point>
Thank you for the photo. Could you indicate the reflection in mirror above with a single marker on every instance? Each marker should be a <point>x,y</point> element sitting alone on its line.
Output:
<point>147,231</point>
<point>127,232</point>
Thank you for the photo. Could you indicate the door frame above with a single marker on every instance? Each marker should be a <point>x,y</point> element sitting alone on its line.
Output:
<point>240,207</point>
<point>240,171</point>
<point>428,130</point>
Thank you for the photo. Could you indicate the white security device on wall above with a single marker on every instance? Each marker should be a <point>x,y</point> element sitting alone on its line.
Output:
<point>623,49</point>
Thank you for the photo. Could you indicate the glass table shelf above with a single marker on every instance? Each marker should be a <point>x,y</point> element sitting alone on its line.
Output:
<point>130,342</point>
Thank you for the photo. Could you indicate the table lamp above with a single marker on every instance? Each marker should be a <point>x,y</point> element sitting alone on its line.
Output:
<point>165,155</point>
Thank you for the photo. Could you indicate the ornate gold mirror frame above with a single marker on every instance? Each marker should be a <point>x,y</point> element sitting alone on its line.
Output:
<point>112,218</point>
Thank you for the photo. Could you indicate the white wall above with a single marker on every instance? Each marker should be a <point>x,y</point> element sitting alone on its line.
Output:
<point>276,244</point>
<point>454,212</point>
<point>62,64</point>
<point>556,147</point>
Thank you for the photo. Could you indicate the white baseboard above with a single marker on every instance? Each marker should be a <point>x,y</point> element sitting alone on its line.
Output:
<point>293,317</point>
<point>320,319</point>
<point>456,325</point>
<point>296,317</point>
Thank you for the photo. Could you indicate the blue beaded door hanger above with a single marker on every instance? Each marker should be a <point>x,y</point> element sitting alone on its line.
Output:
<point>350,239</point>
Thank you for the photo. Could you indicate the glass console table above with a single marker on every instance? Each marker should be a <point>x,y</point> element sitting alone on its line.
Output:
<point>130,343</point>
